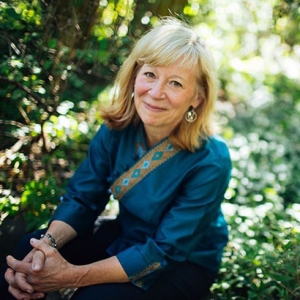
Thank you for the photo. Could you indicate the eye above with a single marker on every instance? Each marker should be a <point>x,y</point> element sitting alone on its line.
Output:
<point>149,74</point>
<point>176,83</point>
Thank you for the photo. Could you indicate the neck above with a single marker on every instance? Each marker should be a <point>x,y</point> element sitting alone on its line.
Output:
<point>154,135</point>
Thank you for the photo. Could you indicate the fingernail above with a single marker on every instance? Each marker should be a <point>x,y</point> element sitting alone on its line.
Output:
<point>36,267</point>
<point>33,240</point>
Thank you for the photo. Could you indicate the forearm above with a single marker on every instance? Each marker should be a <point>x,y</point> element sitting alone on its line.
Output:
<point>105,271</point>
<point>61,232</point>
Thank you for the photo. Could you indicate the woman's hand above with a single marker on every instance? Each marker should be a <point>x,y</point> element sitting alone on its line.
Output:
<point>18,284</point>
<point>43,276</point>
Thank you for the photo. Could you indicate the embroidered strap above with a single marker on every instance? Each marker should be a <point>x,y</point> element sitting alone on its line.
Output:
<point>154,158</point>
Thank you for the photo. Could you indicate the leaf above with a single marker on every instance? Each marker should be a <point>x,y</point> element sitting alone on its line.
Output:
<point>12,13</point>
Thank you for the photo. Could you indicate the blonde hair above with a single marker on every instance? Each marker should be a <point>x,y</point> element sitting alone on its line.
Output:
<point>164,45</point>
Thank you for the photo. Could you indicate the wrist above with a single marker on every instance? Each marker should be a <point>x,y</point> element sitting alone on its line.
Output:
<point>49,237</point>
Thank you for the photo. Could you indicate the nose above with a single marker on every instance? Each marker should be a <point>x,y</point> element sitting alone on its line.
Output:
<point>157,90</point>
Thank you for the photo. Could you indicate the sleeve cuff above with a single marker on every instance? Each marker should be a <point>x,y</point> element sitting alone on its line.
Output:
<point>141,270</point>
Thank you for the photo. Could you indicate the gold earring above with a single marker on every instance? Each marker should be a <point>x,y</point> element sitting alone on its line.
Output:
<point>191,115</point>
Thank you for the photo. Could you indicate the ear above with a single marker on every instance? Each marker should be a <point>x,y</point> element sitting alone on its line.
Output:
<point>197,101</point>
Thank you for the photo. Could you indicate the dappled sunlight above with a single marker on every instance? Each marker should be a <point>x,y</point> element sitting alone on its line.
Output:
<point>243,38</point>
<point>294,211</point>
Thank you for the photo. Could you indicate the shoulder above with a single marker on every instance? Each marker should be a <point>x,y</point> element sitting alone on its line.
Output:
<point>106,133</point>
<point>217,147</point>
<point>112,139</point>
<point>214,154</point>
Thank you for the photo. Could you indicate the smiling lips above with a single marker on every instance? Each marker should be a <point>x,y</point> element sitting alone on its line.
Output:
<point>154,108</point>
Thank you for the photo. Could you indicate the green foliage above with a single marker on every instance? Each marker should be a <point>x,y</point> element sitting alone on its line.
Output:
<point>8,206</point>
<point>261,125</point>
<point>38,201</point>
<point>265,146</point>
<point>287,20</point>
<point>49,85</point>
<point>265,265</point>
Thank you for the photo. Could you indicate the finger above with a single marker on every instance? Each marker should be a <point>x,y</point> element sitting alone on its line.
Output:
<point>37,295</point>
<point>42,246</point>
<point>24,292</point>
<point>9,276</point>
<point>17,277</point>
<point>22,284</point>
<point>19,266</point>
<point>13,286</point>
<point>19,294</point>
<point>38,260</point>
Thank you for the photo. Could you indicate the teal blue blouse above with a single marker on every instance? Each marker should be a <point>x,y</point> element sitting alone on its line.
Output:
<point>172,214</point>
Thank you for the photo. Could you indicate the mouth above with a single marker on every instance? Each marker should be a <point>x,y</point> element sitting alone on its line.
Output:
<point>154,108</point>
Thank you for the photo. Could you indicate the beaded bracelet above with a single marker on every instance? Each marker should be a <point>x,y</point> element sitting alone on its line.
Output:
<point>49,236</point>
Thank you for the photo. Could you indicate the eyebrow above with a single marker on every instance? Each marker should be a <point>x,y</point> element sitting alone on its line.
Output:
<point>172,76</point>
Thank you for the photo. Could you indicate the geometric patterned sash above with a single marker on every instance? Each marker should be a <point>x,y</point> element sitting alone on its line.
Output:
<point>152,159</point>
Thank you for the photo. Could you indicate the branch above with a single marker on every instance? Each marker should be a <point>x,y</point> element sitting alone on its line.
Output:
<point>13,123</point>
<point>28,91</point>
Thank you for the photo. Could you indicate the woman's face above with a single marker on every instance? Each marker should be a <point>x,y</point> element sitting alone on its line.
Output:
<point>162,96</point>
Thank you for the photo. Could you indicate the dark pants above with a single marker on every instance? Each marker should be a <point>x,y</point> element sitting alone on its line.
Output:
<point>182,281</point>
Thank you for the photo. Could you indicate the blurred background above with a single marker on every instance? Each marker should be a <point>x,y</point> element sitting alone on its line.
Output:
<point>58,60</point>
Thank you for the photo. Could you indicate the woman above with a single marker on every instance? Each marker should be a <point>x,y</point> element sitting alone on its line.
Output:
<point>157,153</point>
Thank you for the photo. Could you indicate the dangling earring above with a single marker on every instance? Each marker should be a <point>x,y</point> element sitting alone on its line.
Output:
<point>191,115</point>
<point>132,96</point>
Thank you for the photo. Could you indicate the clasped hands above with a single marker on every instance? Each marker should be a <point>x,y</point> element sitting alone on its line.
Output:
<point>42,270</point>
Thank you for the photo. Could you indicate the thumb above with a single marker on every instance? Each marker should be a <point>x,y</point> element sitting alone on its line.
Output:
<point>39,256</point>
<point>40,245</point>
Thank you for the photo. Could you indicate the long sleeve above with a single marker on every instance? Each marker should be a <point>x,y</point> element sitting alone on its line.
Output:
<point>87,191</point>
